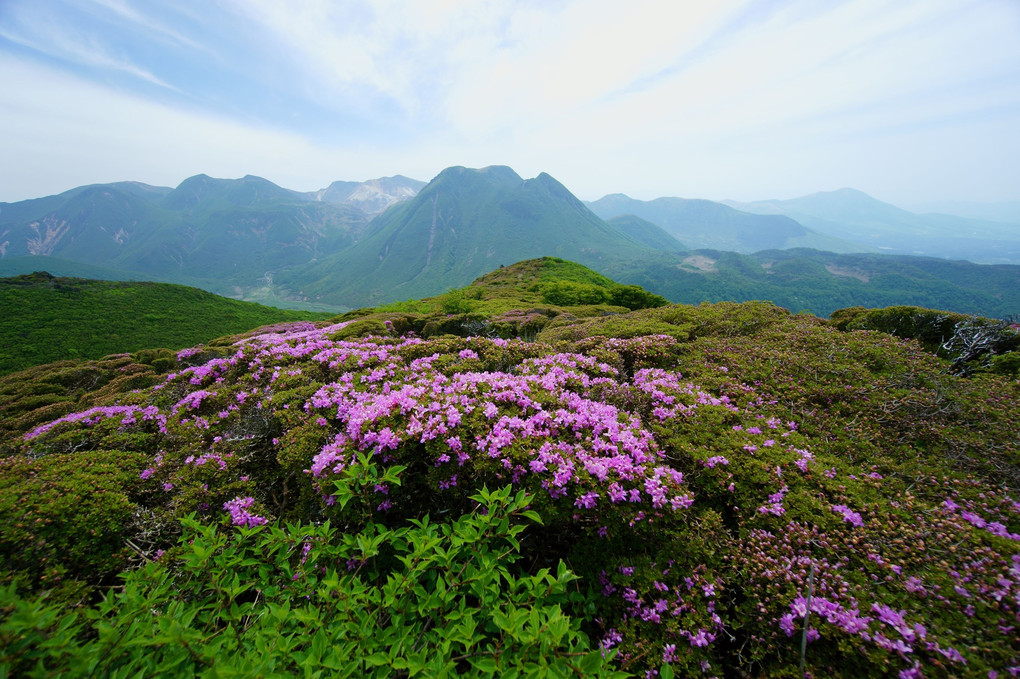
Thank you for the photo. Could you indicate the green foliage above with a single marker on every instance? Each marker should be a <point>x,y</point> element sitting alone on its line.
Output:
<point>68,516</point>
<point>1006,364</point>
<point>971,342</point>
<point>44,393</point>
<point>635,297</point>
<point>454,302</point>
<point>794,447</point>
<point>568,293</point>
<point>420,600</point>
<point>49,319</point>
<point>931,328</point>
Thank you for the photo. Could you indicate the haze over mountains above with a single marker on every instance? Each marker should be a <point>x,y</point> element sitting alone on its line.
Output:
<point>365,243</point>
<point>858,217</point>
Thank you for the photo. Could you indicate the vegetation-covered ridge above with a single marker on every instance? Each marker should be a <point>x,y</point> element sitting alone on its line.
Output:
<point>670,491</point>
<point>49,318</point>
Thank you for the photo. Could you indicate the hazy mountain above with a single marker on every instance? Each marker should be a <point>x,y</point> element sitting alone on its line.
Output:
<point>464,223</point>
<point>252,239</point>
<point>707,224</point>
<point>645,232</point>
<point>1007,212</point>
<point>856,216</point>
<point>227,235</point>
<point>821,282</point>
<point>372,196</point>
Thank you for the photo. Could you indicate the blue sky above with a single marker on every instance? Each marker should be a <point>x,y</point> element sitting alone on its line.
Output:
<point>909,100</point>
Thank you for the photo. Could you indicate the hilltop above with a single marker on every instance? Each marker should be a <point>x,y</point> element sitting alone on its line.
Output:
<point>543,471</point>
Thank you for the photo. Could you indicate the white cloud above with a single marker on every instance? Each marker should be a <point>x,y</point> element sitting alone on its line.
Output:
<point>728,98</point>
<point>65,133</point>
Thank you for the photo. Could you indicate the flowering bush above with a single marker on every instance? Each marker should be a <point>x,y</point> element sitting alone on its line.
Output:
<point>724,487</point>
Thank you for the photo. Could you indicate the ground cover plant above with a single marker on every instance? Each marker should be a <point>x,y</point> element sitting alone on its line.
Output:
<point>723,490</point>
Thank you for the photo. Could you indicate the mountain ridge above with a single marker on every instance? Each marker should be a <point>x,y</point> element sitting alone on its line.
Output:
<point>448,235</point>
<point>857,216</point>
<point>708,224</point>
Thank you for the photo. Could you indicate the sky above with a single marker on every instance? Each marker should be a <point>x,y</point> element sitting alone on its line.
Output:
<point>907,100</point>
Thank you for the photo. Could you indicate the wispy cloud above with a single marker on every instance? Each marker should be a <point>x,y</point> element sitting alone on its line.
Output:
<point>134,17</point>
<point>45,31</point>
<point>110,135</point>
<point>733,98</point>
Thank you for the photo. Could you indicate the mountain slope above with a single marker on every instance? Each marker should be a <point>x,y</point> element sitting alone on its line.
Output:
<point>464,223</point>
<point>852,214</point>
<point>645,232</point>
<point>822,282</point>
<point>48,319</point>
<point>707,224</point>
<point>227,235</point>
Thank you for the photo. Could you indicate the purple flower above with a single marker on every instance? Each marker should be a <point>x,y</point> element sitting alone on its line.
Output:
<point>239,514</point>
<point>849,515</point>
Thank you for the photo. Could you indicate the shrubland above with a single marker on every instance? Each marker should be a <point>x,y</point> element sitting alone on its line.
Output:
<point>517,487</point>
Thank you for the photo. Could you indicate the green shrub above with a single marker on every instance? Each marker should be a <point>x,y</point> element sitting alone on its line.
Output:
<point>68,515</point>
<point>570,293</point>
<point>423,600</point>
<point>455,302</point>
<point>635,297</point>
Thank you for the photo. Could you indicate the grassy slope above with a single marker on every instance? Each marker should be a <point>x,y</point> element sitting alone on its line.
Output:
<point>48,319</point>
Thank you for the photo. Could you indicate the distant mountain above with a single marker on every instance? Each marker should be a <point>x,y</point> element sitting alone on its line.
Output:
<point>372,196</point>
<point>1007,212</point>
<point>249,238</point>
<point>225,235</point>
<point>856,216</point>
<point>821,282</point>
<point>707,224</point>
<point>229,236</point>
<point>645,232</point>
<point>464,223</point>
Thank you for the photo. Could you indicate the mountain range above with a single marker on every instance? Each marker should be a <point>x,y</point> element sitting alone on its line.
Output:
<point>857,217</point>
<point>366,243</point>
<point>707,224</point>
<point>463,224</point>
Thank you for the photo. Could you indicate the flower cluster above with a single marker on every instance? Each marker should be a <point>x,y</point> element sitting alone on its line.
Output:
<point>698,504</point>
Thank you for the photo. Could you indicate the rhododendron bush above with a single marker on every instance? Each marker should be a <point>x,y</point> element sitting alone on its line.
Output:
<point>711,522</point>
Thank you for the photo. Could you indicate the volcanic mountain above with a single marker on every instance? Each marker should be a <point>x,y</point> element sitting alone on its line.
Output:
<point>464,223</point>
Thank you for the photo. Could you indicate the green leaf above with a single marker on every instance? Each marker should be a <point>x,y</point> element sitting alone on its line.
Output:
<point>533,515</point>
<point>485,664</point>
